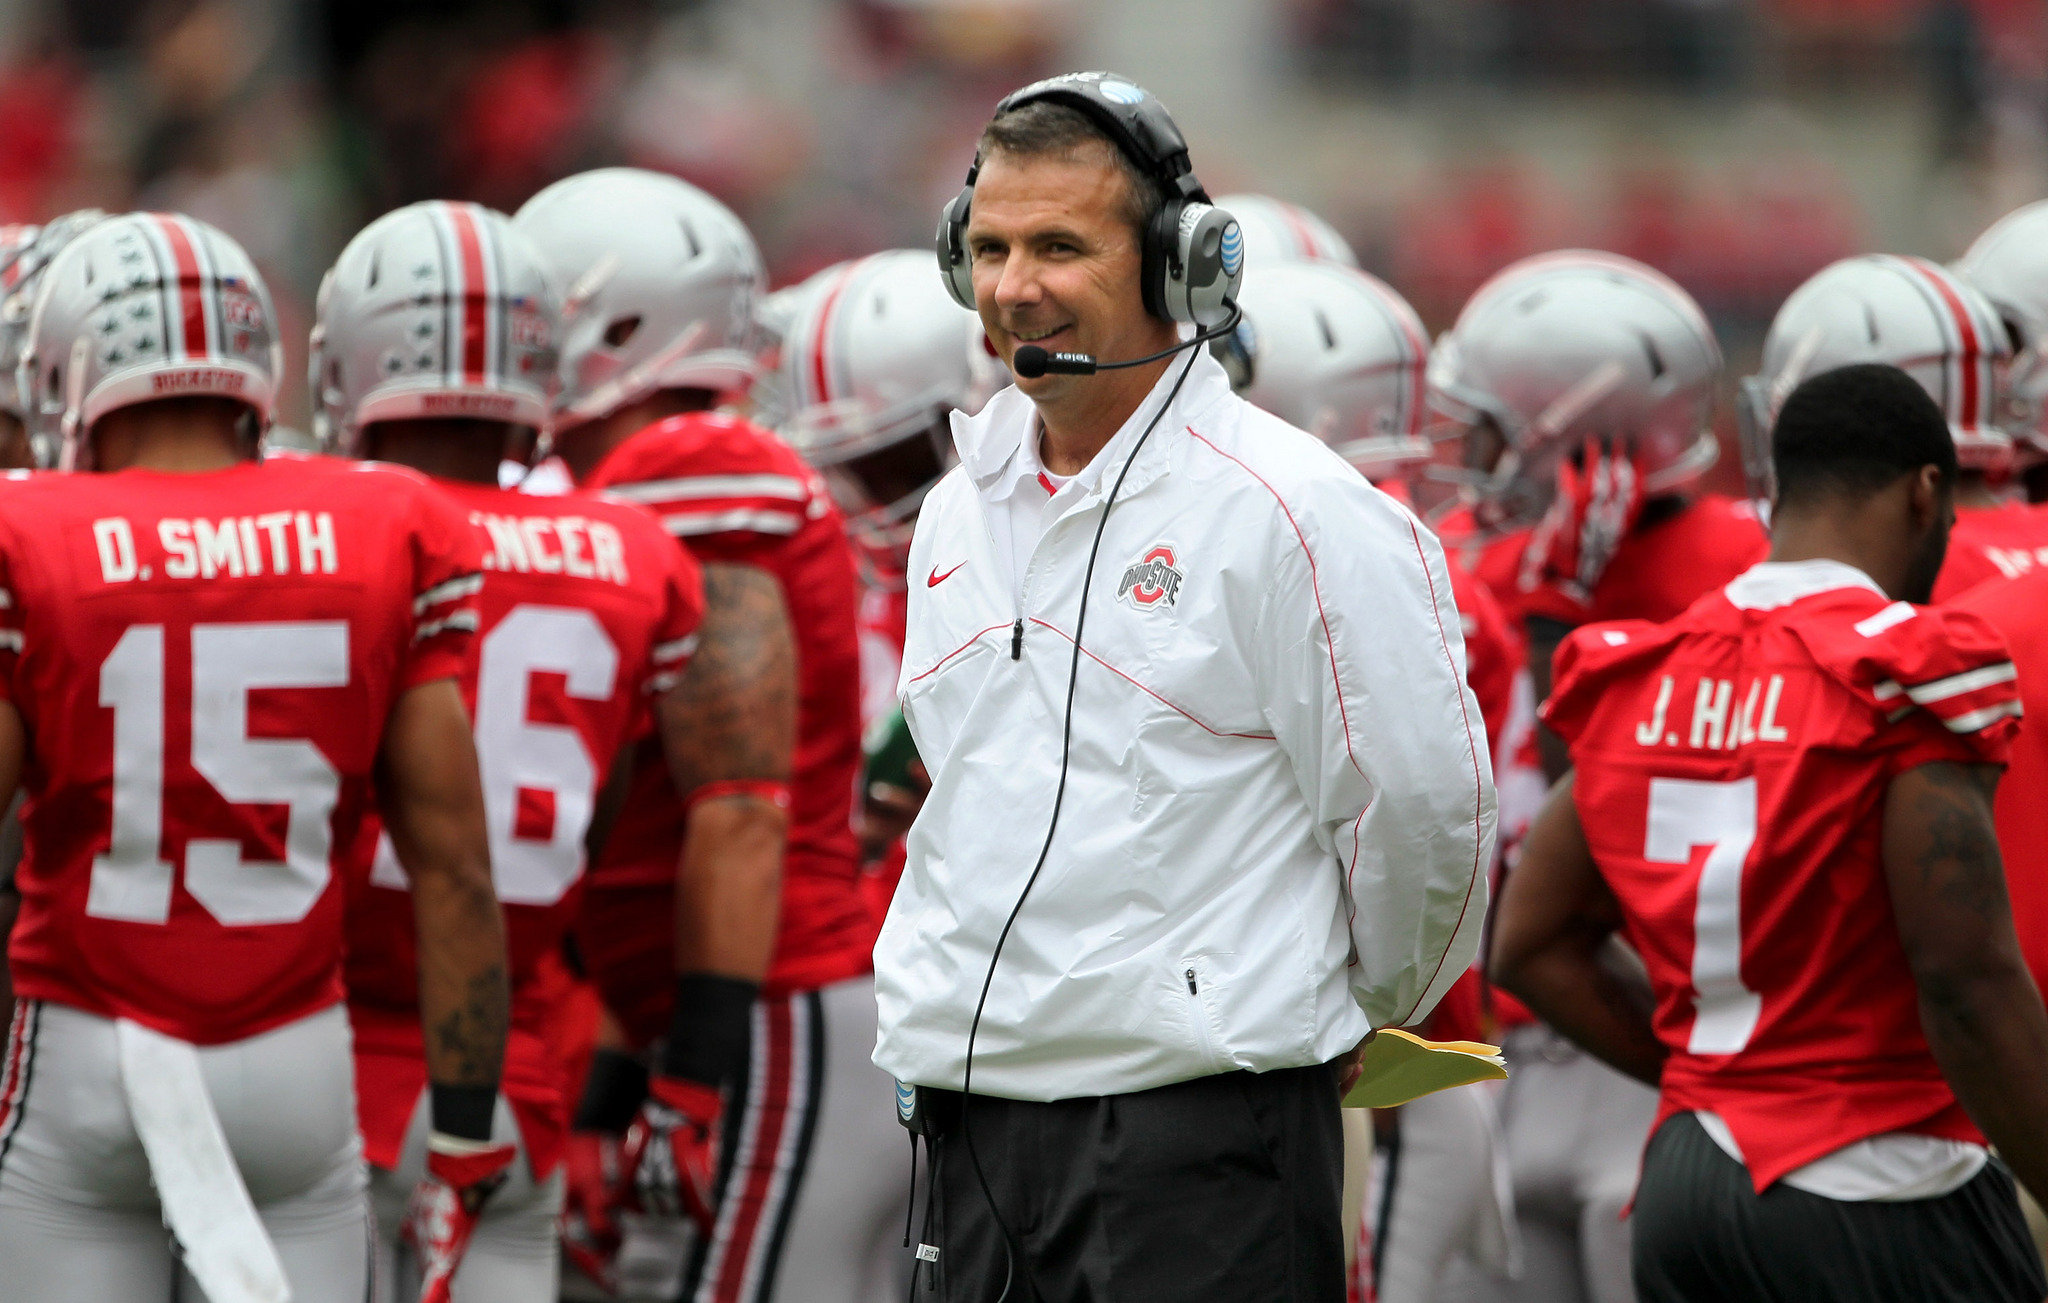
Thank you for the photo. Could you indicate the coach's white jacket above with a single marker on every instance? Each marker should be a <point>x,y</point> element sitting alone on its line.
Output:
<point>1279,811</point>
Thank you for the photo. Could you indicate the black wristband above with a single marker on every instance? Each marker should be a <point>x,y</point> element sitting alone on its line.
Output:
<point>463,1111</point>
<point>612,1094</point>
<point>709,1029</point>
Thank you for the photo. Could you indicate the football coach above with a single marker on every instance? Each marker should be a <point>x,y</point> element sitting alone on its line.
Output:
<point>1210,799</point>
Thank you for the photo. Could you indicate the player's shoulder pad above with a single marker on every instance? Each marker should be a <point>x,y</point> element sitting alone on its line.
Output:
<point>1589,660</point>
<point>697,444</point>
<point>1899,658</point>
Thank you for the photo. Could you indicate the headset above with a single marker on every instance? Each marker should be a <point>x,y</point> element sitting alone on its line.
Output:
<point>1193,251</point>
<point>1193,263</point>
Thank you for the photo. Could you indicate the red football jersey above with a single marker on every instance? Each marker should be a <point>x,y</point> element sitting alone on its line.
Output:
<point>729,491</point>
<point>1732,771</point>
<point>2000,542</point>
<point>204,664</point>
<point>1493,649</point>
<point>587,609</point>
<point>2018,609</point>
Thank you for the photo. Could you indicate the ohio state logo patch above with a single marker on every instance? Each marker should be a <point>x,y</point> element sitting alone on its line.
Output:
<point>1152,580</point>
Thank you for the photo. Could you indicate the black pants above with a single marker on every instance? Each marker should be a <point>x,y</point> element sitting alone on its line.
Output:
<point>1217,1189</point>
<point>1703,1233</point>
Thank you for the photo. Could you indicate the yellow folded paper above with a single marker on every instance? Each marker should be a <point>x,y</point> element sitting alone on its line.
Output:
<point>1400,1066</point>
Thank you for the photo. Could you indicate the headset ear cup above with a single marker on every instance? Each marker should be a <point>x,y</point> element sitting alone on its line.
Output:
<point>1161,247</point>
<point>951,244</point>
<point>1210,254</point>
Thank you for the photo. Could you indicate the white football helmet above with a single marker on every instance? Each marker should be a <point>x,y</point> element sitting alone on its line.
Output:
<point>436,310</point>
<point>1338,353</point>
<point>24,252</point>
<point>875,353</point>
<point>2008,264</point>
<point>658,281</point>
<point>1276,232</point>
<point>142,307</point>
<point>1570,345</point>
<point>1911,313</point>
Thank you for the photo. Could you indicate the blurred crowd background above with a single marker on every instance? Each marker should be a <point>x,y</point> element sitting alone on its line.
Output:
<point>1738,145</point>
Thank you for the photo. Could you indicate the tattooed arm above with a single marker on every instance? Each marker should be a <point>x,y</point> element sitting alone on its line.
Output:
<point>728,730</point>
<point>434,810</point>
<point>732,720</point>
<point>1978,1004</point>
<point>1553,948</point>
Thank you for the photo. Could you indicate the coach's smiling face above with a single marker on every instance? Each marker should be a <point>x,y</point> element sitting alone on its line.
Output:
<point>1056,263</point>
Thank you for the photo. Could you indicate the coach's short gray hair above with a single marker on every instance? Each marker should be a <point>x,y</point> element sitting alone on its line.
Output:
<point>1047,129</point>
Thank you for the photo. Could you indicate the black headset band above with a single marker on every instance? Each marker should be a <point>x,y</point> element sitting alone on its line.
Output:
<point>1142,129</point>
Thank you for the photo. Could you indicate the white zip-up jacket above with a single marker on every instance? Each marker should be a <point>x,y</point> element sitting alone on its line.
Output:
<point>1279,810</point>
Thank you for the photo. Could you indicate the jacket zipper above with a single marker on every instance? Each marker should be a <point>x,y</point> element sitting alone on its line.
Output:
<point>1198,1014</point>
<point>1017,640</point>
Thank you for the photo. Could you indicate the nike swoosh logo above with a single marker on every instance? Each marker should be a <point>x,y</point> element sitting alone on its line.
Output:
<point>935,578</point>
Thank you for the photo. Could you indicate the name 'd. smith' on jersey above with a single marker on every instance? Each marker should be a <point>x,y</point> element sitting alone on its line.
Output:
<point>239,547</point>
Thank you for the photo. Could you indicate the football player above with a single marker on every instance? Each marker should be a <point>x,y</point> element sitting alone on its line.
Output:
<point>434,348</point>
<point>1576,389</point>
<point>2017,609</point>
<point>1923,318</point>
<point>661,284</point>
<point>24,252</point>
<point>205,660</point>
<point>875,354</point>
<point>1783,799</point>
<point>1338,353</point>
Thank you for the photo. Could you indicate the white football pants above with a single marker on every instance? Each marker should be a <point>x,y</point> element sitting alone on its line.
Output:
<point>79,1216</point>
<point>1575,1135</point>
<point>512,1256</point>
<point>818,1186</point>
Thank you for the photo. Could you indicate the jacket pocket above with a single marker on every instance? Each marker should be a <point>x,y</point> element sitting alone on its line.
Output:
<point>1201,988</point>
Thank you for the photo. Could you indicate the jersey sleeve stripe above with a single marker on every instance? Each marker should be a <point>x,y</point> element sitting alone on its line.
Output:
<point>662,682</point>
<point>724,522</point>
<point>787,487</point>
<point>462,620</point>
<point>1895,614</point>
<point>10,640</point>
<point>1886,690</point>
<point>1977,720</point>
<point>1956,685</point>
<point>448,591</point>
<point>675,649</point>
<point>6,599</point>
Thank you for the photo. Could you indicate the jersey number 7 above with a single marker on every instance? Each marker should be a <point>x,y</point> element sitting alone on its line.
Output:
<point>1684,814</point>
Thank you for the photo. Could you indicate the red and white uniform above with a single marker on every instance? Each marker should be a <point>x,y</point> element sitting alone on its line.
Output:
<point>587,611</point>
<point>2018,609</point>
<point>1732,771</point>
<point>730,492</point>
<point>1987,543</point>
<point>807,1207</point>
<point>205,664</point>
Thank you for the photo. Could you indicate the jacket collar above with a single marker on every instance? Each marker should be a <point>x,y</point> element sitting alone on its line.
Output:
<point>992,443</point>
<point>1768,585</point>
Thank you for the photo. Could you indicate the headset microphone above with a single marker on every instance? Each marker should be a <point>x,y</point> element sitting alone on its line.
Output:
<point>1030,361</point>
